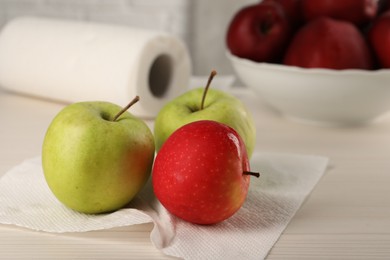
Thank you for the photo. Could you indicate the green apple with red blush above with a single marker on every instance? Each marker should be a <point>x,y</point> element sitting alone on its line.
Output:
<point>96,156</point>
<point>205,104</point>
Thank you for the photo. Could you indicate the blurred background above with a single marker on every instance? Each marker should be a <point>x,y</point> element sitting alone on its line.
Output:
<point>201,24</point>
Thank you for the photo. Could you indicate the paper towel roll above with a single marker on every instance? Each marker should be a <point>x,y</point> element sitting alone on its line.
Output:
<point>80,61</point>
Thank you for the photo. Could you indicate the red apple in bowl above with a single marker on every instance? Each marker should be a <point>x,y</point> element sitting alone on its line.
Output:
<point>259,32</point>
<point>358,12</point>
<point>329,43</point>
<point>201,173</point>
<point>379,38</point>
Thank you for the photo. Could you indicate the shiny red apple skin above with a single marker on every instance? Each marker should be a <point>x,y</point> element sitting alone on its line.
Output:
<point>358,12</point>
<point>259,32</point>
<point>329,43</point>
<point>198,172</point>
<point>379,38</point>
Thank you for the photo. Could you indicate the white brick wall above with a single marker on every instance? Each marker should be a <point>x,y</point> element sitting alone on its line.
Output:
<point>201,24</point>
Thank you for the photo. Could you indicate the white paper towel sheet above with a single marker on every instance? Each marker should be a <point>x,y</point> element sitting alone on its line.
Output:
<point>77,61</point>
<point>273,199</point>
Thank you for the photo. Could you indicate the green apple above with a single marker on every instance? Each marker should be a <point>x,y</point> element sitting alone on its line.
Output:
<point>97,157</point>
<point>205,104</point>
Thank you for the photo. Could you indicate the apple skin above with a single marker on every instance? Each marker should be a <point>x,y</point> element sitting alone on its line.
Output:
<point>329,43</point>
<point>358,12</point>
<point>219,106</point>
<point>379,38</point>
<point>292,9</point>
<point>198,173</point>
<point>94,165</point>
<point>259,32</point>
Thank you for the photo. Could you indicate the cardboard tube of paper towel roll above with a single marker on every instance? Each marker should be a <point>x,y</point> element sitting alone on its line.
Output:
<point>80,61</point>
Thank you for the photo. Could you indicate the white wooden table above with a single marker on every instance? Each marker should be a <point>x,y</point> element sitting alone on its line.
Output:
<point>347,216</point>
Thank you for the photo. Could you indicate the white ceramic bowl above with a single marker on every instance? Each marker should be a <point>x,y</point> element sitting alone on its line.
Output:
<point>338,97</point>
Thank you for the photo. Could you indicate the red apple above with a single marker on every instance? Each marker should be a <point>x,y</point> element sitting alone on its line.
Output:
<point>379,38</point>
<point>259,32</point>
<point>329,43</point>
<point>201,173</point>
<point>356,11</point>
<point>292,9</point>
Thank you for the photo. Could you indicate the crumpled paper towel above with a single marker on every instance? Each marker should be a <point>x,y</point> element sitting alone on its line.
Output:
<point>273,199</point>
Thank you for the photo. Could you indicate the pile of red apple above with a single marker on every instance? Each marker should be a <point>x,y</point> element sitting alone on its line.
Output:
<point>332,34</point>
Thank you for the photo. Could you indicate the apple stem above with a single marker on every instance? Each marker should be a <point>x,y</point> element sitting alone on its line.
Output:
<point>256,174</point>
<point>132,102</point>
<point>212,74</point>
